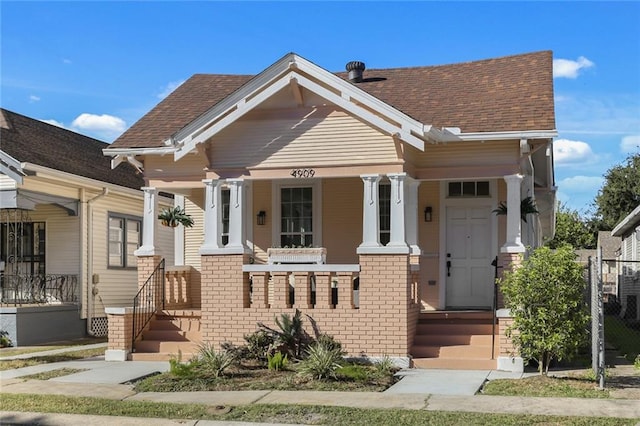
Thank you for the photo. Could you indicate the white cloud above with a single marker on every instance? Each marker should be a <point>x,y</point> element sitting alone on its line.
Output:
<point>54,123</point>
<point>103,126</point>
<point>566,68</point>
<point>566,151</point>
<point>170,87</point>
<point>581,184</point>
<point>33,98</point>
<point>66,61</point>
<point>630,144</point>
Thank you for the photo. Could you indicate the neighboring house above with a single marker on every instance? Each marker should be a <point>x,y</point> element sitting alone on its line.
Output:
<point>629,264</point>
<point>363,199</point>
<point>608,247</point>
<point>69,226</point>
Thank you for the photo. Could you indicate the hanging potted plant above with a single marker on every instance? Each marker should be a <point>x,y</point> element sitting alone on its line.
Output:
<point>527,206</point>
<point>173,217</point>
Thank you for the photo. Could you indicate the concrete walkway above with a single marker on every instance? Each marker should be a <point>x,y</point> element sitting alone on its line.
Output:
<point>431,390</point>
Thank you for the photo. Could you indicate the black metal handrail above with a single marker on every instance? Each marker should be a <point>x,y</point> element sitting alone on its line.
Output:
<point>495,305</point>
<point>149,299</point>
<point>18,289</point>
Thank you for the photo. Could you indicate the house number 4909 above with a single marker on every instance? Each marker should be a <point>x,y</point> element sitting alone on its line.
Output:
<point>303,173</point>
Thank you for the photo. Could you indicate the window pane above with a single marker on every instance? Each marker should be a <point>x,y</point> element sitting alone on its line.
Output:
<point>468,189</point>
<point>384,192</point>
<point>483,189</point>
<point>133,240</point>
<point>116,241</point>
<point>307,194</point>
<point>455,189</point>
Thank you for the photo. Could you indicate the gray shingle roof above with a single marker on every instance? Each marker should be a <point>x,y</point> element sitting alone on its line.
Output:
<point>33,141</point>
<point>513,93</point>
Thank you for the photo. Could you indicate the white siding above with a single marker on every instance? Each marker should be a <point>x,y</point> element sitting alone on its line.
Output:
<point>194,236</point>
<point>6,182</point>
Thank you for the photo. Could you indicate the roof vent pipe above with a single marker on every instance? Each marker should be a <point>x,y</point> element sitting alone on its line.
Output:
<point>355,68</point>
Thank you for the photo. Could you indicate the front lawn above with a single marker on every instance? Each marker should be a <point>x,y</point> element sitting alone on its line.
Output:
<point>545,386</point>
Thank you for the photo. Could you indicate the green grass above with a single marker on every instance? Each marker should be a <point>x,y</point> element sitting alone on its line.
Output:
<point>284,413</point>
<point>545,386</point>
<point>46,375</point>
<point>46,359</point>
<point>11,351</point>
<point>625,339</point>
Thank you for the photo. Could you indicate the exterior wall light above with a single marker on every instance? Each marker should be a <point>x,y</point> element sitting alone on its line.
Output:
<point>428,214</point>
<point>262,217</point>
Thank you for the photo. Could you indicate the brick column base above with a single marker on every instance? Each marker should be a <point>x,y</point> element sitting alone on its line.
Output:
<point>120,322</point>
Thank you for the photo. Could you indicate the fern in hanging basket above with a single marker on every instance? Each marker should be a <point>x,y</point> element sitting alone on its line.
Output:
<point>527,206</point>
<point>173,217</point>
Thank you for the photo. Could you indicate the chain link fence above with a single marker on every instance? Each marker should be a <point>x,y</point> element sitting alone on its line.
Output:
<point>614,292</point>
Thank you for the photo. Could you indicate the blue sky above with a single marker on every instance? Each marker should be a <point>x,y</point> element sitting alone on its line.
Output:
<point>97,67</point>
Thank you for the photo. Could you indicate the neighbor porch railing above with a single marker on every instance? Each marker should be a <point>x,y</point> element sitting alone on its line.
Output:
<point>18,289</point>
<point>149,299</point>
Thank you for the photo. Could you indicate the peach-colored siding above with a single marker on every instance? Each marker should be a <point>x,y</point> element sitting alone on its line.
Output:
<point>300,138</point>
<point>428,241</point>
<point>342,219</point>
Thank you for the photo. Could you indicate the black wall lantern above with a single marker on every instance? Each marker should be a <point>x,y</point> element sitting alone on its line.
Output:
<point>428,214</point>
<point>262,217</point>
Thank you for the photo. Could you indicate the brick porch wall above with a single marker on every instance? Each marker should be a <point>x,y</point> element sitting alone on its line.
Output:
<point>509,261</point>
<point>383,325</point>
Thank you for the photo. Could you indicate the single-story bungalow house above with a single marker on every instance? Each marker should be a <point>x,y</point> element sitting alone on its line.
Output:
<point>69,226</point>
<point>364,199</point>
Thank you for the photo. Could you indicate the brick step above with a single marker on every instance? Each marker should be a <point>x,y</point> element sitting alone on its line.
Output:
<point>454,328</point>
<point>455,363</point>
<point>183,324</point>
<point>453,351</point>
<point>456,315</point>
<point>161,346</point>
<point>172,335</point>
<point>452,339</point>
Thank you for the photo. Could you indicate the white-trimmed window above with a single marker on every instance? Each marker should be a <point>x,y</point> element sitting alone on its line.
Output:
<point>125,236</point>
<point>384,200</point>
<point>296,216</point>
<point>226,197</point>
<point>468,189</point>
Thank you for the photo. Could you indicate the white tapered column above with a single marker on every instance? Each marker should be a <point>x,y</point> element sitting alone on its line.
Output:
<point>411,214</point>
<point>149,222</point>
<point>514,240</point>
<point>212,216</point>
<point>398,207</point>
<point>236,215</point>
<point>370,214</point>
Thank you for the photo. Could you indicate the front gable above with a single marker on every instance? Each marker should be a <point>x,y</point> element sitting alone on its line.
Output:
<point>308,86</point>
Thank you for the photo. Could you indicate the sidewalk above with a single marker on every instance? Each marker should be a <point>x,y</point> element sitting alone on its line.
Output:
<point>448,391</point>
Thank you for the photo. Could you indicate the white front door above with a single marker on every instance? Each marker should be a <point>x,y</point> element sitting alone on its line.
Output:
<point>468,272</point>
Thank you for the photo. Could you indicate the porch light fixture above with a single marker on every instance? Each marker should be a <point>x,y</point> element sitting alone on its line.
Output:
<point>262,217</point>
<point>428,214</point>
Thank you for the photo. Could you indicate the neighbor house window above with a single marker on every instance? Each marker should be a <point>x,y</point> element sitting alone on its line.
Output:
<point>384,195</point>
<point>125,236</point>
<point>296,218</point>
<point>469,189</point>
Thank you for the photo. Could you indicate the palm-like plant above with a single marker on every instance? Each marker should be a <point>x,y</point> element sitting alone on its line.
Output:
<point>175,216</point>
<point>527,206</point>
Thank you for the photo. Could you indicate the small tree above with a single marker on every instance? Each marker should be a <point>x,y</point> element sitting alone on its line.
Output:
<point>573,230</point>
<point>546,298</point>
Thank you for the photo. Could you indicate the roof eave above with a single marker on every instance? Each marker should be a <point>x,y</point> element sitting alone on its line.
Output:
<point>627,223</point>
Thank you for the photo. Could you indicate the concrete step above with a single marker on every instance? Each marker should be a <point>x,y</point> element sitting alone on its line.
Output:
<point>160,356</point>
<point>172,335</point>
<point>167,323</point>
<point>454,351</point>
<point>452,339</point>
<point>455,363</point>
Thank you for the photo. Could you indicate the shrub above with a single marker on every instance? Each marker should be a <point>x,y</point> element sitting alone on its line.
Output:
<point>5,341</point>
<point>290,336</point>
<point>545,296</point>
<point>259,344</point>
<point>321,362</point>
<point>214,361</point>
<point>636,363</point>
<point>329,342</point>
<point>277,361</point>
<point>385,366</point>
